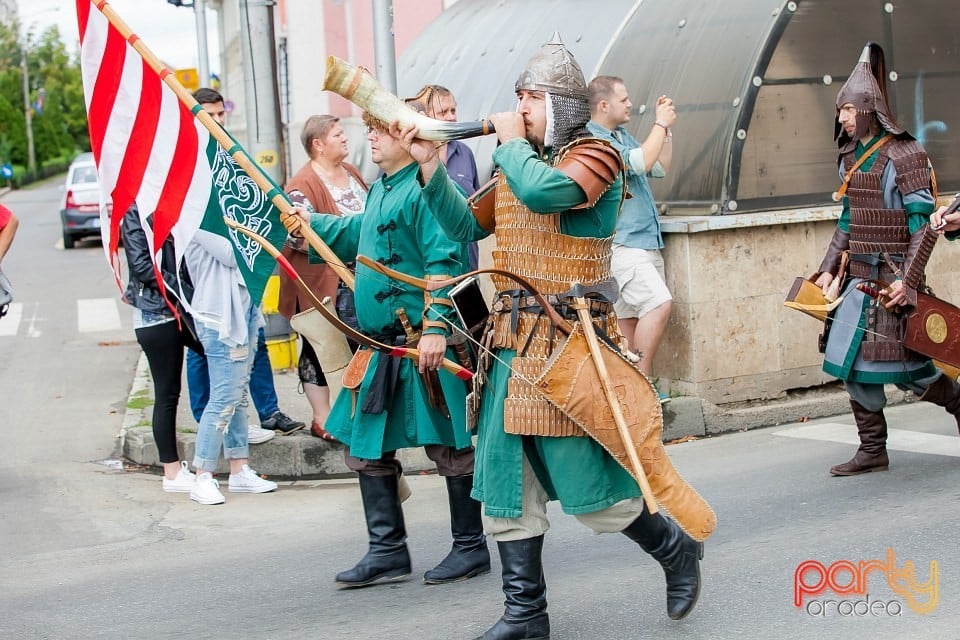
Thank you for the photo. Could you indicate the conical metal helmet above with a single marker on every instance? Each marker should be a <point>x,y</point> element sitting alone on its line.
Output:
<point>554,70</point>
<point>866,89</point>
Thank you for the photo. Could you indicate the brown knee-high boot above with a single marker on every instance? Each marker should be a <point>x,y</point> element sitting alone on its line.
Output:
<point>945,392</point>
<point>872,453</point>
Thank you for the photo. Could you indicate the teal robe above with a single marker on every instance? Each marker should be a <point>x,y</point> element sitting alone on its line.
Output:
<point>574,470</point>
<point>396,229</point>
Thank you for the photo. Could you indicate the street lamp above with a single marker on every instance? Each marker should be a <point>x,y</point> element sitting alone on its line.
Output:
<point>200,20</point>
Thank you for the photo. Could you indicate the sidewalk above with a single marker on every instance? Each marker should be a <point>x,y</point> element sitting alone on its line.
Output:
<point>302,456</point>
<point>299,455</point>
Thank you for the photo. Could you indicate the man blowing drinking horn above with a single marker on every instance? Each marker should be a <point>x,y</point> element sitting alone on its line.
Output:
<point>557,200</point>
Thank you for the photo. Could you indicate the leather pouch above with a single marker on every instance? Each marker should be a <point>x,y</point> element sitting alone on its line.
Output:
<point>356,370</point>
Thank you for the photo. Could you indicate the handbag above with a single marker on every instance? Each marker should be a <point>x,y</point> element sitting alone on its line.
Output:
<point>330,345</point>
<point>6,294</point>
<point>188,328</point>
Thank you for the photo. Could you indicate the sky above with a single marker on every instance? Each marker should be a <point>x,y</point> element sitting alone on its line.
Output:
<point>167,30</point>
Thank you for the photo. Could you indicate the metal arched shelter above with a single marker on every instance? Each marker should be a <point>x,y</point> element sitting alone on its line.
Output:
<point>755,81</point>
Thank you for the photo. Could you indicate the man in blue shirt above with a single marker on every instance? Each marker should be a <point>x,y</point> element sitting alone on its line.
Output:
<point>644,305</point>
<point>438,103</point>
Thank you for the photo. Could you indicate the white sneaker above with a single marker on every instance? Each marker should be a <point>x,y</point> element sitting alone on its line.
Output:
<point>183,483</point>
<point>247,481</point>
<point>256,435</point>
<point>206,490</point>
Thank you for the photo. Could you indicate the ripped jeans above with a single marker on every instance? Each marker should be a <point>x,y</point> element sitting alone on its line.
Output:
<point>224,419</point>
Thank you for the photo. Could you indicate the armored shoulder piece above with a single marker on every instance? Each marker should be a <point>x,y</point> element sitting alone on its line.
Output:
<point>912,164</point>
<point>593,164</point>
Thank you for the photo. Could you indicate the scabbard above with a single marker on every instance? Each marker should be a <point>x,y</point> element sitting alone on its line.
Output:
<point>431,380</point>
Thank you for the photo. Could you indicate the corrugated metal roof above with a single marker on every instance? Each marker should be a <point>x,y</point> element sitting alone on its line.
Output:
<point>755,81</point>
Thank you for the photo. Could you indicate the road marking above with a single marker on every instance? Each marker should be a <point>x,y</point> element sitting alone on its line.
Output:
<point>897,439</point>
<point>97,314</point>
<point>11,322</point>
<point>34,321</point>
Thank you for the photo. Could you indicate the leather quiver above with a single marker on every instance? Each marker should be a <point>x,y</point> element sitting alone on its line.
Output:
<point>805,292</point>
<point>570,382</point>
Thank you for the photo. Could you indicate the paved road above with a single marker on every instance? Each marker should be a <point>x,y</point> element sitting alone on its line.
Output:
<point>91,551</point>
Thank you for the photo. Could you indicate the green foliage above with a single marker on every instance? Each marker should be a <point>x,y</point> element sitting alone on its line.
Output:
<point>60,128</point>
<point>139,403</point>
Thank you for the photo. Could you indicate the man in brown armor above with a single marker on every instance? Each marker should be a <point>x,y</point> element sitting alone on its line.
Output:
<point>557,201</point>
<point>883,229</point>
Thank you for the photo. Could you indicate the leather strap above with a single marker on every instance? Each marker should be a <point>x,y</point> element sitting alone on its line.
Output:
<point>846,179</point>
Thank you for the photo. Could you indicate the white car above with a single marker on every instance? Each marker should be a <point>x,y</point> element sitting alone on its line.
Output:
<point>80,207</point>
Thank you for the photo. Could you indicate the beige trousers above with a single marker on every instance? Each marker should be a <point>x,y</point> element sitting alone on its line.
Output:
<point>533,522</point>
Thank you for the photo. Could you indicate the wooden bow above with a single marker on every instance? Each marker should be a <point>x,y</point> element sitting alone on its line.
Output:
<point>350,332</point>
<point>583,314</point>
<point>432,285</point>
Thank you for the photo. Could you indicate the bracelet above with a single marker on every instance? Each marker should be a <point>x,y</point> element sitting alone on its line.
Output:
<point>665,128</point>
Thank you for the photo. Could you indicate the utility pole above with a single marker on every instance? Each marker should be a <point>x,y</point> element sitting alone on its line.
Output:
<point>24,38</point>
<point>261,98</point>
<point>203,64</point>
<point>384,47</point>
<point>28,116</point>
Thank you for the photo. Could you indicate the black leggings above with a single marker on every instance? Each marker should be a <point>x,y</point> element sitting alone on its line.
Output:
<point>308,367</point>
<point>163,345</point>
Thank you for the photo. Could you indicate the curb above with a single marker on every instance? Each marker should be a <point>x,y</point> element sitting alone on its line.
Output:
<point>301,456</point>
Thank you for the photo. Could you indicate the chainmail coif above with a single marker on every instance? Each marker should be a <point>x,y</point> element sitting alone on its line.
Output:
<point>570,118</point>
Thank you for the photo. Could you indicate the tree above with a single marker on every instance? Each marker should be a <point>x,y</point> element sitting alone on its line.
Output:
<point>60,122</point>
<point>64,109</point>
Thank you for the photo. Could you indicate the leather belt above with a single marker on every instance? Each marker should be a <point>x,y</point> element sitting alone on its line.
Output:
<point>505,303</point>
<point>871,265</point>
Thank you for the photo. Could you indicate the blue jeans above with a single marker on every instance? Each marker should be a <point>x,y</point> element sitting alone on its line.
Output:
<point>262,391</point>
<point>223,422</point>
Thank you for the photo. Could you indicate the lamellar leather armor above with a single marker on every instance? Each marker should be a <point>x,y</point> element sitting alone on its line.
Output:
<point>881,246</point>
<point>531,245</point>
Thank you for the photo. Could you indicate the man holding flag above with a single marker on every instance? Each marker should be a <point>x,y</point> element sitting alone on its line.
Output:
<point>155,146</point>
<point>396,403</point>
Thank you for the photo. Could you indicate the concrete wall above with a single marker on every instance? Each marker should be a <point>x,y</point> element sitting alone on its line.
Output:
<point>730,339</point>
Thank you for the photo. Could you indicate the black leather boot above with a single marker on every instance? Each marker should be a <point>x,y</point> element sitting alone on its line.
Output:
<point>469,556</point>
<point>525,606</point>
<point>945,392</point>
<point>387,558</point>
<point>677,553</point>
<point>871,455</point>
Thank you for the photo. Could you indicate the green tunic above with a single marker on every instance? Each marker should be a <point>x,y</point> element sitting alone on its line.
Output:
<point>396,229</point>
<point>574,470</point>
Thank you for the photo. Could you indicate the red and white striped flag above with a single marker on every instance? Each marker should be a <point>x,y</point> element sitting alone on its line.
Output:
<point>147,144</point>
<point>150,149</point>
